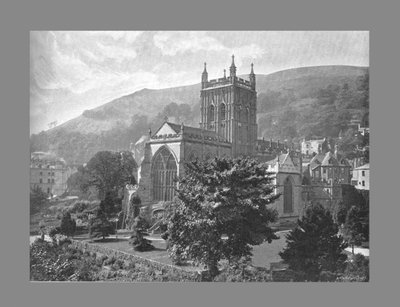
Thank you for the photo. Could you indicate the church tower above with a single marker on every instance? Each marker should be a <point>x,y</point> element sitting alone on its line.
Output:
<point>229,107</point>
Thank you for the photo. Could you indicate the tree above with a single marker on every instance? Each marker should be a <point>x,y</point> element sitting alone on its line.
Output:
<point>363,87</point>
<point>110,171</point>
<point>345,97</point>
<point>218,198</point>
<point>357,225</point>
<point>68,225</point>
<point>353,214</point>
<point>100,226</point>
<point>314,245</point>
<point>37,199</point>
<point>137,239</point>
<point>107,205</point>
<point>79,181</point>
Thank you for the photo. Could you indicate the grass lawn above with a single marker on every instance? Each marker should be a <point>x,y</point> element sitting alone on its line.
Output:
<point>121,243</point>
<point>266,253</point>
<point>263,254</point>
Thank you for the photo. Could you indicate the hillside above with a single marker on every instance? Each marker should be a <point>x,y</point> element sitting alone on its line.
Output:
<point>291,104</point>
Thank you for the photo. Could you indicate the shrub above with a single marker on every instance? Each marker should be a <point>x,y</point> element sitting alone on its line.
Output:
<point>68,225</point>
<point>52,231</point>
<point>357,269</point>
<point>139,231</point>
<point>110,261</point>
<point>100,226</point>
<point>242,271</point>
<point>118,264</point>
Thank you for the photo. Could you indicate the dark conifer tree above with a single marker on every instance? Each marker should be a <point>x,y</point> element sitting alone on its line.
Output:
<point>314,245</point>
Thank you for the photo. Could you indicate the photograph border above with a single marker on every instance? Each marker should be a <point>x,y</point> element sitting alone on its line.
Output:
<point>20,17</point>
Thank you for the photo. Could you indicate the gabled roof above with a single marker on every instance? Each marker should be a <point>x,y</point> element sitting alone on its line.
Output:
<point>329,160</point>
<point>363,167</point>
<point>316,160</point>
<point>168,127</point>
<point>281,158</point>
<point>285,163</point>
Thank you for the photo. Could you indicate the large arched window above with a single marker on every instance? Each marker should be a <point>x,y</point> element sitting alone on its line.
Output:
<point>223,111</point>
<point>288,195</point>
<point>164,172</point>
<point>211,113</point>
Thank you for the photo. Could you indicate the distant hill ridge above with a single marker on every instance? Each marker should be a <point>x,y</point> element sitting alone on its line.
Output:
<point>294,89</point>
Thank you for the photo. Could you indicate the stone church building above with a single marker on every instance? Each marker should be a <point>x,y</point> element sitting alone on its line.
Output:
<point>228,127</point>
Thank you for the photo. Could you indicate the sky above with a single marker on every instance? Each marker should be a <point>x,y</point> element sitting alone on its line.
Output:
<point>73,71</point>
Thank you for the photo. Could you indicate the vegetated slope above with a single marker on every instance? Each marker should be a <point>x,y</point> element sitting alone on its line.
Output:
<point>307,101</point>
<point>311,101</point>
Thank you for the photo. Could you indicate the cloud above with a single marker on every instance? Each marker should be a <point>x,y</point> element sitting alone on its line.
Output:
<point>172,43</point>
<point>69,60</point>
<point>178,43</point>
<point>115,52</point>
<point>127,36</point>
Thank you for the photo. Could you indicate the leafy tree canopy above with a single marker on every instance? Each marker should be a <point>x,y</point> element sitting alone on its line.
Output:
<point>37,199</point>
<point>109,171</point>
<point>222,210</point>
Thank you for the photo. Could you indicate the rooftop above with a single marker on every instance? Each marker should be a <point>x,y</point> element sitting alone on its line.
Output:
<point>362,167</point>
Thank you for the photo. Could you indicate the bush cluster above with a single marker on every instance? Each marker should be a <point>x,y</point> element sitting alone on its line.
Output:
<point>64,262</point>
<point>60,262</point>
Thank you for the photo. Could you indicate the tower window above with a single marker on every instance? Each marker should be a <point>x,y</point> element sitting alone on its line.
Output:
<point>223,111</point>
<point>211,113</point>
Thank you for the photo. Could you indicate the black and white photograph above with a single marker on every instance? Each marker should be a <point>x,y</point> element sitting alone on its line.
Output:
<point>199,156</point>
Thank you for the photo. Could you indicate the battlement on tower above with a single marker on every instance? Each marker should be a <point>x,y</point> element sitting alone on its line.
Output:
<point>224,81</point>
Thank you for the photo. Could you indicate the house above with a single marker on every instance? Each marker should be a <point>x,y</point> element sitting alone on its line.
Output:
<point>360,177</point>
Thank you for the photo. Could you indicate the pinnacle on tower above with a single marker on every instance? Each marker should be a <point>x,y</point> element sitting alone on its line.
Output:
<point>204,76</point>
<point>233,67</point>
<point>252,78</point>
